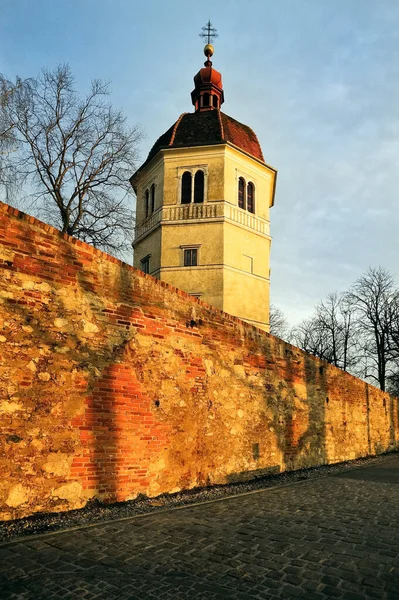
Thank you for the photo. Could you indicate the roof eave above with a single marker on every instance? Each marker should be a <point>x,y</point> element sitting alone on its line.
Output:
<point>262,162</point>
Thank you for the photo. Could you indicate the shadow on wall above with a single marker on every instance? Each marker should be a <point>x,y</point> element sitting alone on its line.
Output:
<point>120,432</point>
<point>125,433</point>
<point>299,411</point>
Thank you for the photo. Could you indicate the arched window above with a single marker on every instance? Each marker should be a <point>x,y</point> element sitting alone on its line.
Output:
<point>215,101</point>
<point>251,197</point>
<point>152,198</point>
<point>241,192</point>
<point>205,99</point>
<point>147,203</point>
<point>186,188</point>
<point>199,187</point>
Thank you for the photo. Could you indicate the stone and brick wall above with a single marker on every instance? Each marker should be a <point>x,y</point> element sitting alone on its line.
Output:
<point>114,384</point>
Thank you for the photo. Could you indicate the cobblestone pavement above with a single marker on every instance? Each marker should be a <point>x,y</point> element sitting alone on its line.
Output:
<point>333,537</point>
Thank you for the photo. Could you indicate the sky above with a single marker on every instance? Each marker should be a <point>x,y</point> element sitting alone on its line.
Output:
<point>317,80</point>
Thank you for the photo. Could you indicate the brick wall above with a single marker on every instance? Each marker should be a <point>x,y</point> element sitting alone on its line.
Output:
<point>114,384</point>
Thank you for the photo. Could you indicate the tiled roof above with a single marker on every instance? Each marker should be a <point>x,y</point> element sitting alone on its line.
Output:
<point>242,136</point>
<point>207,127</point>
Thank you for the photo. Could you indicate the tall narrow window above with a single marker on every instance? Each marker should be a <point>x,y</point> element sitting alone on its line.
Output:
<point>145,264</point>
<point>241,192</point>
<point>152,198</point>
<point>147,203</point>
<point>190,257</point>
<point>251,197</point>
<point>186,188</point>
<point>215,101</point>
<point>205,99</point>
<point>199,187</point>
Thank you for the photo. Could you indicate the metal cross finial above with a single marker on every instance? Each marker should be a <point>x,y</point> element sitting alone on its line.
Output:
<point>209,32</point>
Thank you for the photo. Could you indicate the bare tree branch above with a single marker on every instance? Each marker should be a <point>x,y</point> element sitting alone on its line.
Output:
<point>374,298</point>
<point>279,325</point>
<point>330,333</point>
<point>78,154</point>
<point>9,142</point>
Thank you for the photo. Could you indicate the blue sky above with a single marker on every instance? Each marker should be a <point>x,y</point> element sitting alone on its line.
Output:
<point>318,81</point>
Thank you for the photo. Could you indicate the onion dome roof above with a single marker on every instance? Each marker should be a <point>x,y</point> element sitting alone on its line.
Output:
<point>208,75</point>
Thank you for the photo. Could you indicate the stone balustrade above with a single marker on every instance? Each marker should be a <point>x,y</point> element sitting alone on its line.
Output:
<point>206,211</point>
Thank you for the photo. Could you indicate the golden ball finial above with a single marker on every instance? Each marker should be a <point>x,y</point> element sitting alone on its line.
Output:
<point>208,50</point>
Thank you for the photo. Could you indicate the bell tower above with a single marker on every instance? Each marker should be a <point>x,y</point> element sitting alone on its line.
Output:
<point>203,199</point>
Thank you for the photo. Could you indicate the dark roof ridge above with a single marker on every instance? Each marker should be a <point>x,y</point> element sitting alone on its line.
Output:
<point>221,123</point>
<point>176,125</point>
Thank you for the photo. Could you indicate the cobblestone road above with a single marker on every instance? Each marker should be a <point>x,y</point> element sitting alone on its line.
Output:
<point>332,537</point>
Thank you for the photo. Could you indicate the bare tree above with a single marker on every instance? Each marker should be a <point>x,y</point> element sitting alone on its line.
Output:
<point>358,331</point>
<point>8,138</point>
<point>78,154</point>
<point>6,129</point>
<point>375,299</point>
<point>311,338</point>
<point>279,325</point>
<point>335,320</point>
<point>329,334</point>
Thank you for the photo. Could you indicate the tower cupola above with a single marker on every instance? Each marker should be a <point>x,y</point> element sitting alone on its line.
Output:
<point>208,90</point>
